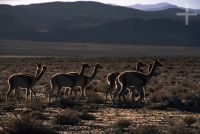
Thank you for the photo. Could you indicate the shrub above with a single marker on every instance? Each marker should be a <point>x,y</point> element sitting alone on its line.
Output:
<point>64,103</point>
<point>179,128</point>
<point>68,117</point>
<point>94,97</point>
<point>123,123</point>
<point>38,116</point>
<point>174,101</point>
<point>8,106</point>
<point>193,103</point>
<point>35,106</point>
<point>86,116</point>
<point>25,125</point>
<point>189,120</point>
<point>145,130</point>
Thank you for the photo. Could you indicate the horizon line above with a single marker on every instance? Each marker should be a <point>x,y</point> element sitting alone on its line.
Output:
<point>112,4</point>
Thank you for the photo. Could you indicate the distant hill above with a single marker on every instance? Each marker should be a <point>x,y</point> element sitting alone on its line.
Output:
<point>9,24</point>
<point>153,7</point>
<point>47,15</point>
<point>195,10</point>
<point>130,31</point>
<point>160,7</point>
<point>96,22</point>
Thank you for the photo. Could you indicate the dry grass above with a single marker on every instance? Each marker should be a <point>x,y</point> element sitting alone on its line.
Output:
<point>171,94</point>
<point>122,123</point>
<point>189,120</point>
<point>145,130</point>
<point>86,116</point>
<point>25,125</point>
<point>68,117</point>
<point>94,97</point>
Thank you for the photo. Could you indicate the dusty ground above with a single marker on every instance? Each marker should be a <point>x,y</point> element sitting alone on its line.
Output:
<point>172,95</point>
<point>38,49</point>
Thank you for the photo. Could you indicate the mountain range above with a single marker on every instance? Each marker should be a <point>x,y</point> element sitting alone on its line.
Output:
<point>159,7</point>
<point>98,23</point>
<point>153,7</point>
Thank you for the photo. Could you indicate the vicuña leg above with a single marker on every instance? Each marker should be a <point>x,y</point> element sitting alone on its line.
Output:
<point>8,92</point>
<point>122,93</point>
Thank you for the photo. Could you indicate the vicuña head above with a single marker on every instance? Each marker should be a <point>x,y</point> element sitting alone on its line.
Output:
<point>139,65</point>
<point>83,67</point>
<point>98,66</point>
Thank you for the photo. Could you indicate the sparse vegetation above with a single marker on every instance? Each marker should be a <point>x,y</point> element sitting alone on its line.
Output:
<point>86,116</point>
<point>66,103</point>
<point>36,115</point>
<point>189,120</point>
<point>25,125</point>
<point>173,96</point>
<point>94,97</point>
<point>35,106</point>
<point>179,128</point>
<point>145,130</point>
<point>68,117</point>
<point>123,123</point>
<point>8,106</point>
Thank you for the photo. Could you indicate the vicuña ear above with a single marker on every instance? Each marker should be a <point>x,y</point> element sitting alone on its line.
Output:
<point>38,64</point>
<point>44,67</point>
<point>82,64</point>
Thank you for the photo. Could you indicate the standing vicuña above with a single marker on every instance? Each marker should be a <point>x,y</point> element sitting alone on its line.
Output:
<point>83,67</point>
<point>58,81</point>
<point>135,79</point>
<point>26,81</point>
<point>86,80</point>
<point>112,77</point>
<point>38,70</point>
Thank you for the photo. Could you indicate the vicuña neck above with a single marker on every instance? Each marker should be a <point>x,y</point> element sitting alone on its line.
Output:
<point>82,70</point>
<point>94,72</point>
<point>40,75</point>
<point>151,72</point>
<point>91,77</point>
<point>137,67</point>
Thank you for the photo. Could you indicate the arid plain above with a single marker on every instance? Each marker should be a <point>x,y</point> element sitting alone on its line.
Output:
<point>172,95</point>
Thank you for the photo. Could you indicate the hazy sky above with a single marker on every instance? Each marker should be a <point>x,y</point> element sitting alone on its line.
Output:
<point>191,3</point>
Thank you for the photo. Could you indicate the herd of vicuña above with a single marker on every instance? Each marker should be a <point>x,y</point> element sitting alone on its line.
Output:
<point>119,83</point>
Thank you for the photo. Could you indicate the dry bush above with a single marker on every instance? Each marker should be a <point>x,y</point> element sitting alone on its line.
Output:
<point>8,106</point>
<point>35,106</point>
<point>176,97</point>
<point>37,115</point>
<point>189,120</point>
<point>65,103</point>
<point>25,125</point>
<point>179,128</point>
<point>192,103</point>
<point>86,116</point>
<point>145,130</point>
<point>174,101</point>
<point>94,97</point>
<point>68,117</point>
<point>122,123</point>
<point>2,98</point>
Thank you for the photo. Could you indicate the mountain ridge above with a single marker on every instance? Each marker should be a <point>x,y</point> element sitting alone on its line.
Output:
<point>96,22</point>
<point>153,7</point>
